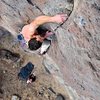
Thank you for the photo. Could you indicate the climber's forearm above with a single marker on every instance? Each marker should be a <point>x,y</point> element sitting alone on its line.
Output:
<point>42,20</point>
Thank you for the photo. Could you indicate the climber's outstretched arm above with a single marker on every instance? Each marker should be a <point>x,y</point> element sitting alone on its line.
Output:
<point>48,19</point>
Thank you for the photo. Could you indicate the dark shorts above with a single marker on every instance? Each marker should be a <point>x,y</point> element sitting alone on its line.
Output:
<point>25,71</point>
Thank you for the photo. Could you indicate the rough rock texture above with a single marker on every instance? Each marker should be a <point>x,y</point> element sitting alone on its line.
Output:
<point>78,50</point>
<point>74,58</point>
<point>42,89</point>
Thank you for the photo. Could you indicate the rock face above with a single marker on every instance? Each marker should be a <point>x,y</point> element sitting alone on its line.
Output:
<point>78,50</point>
<point>75,52</point>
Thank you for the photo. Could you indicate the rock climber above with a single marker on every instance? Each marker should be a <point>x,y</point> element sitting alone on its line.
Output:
<point>34,34</point>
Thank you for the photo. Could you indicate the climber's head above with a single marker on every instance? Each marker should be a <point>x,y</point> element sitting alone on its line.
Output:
<point>34,44</point>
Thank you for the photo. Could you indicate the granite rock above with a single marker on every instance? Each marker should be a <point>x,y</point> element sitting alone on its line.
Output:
<point>76,49</point>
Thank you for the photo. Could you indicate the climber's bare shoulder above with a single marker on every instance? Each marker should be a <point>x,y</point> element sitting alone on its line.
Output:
<point>27,31</point>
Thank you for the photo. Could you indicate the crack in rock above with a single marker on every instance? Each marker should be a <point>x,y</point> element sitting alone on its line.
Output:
<point>35,5</point>
<point>60,25</point>
<point>39,9</point>
<point>96,6</point>
<point>30,2</point>
<point>92,66</point>
<point>8,5</point>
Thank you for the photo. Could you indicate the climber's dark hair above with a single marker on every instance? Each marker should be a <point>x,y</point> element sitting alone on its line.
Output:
<point>42,30</point>
<point>34,44</point>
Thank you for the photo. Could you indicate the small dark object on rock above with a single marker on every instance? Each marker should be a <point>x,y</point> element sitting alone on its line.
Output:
<point>60,97</point>
<point>9,55</point>
<point>50,89</point>
<point>1,93</point>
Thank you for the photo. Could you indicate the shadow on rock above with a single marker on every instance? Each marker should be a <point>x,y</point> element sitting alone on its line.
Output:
<point>3,31</point>
<point>1,83</point>
<point>60,97</point>
<point>9,55</point>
